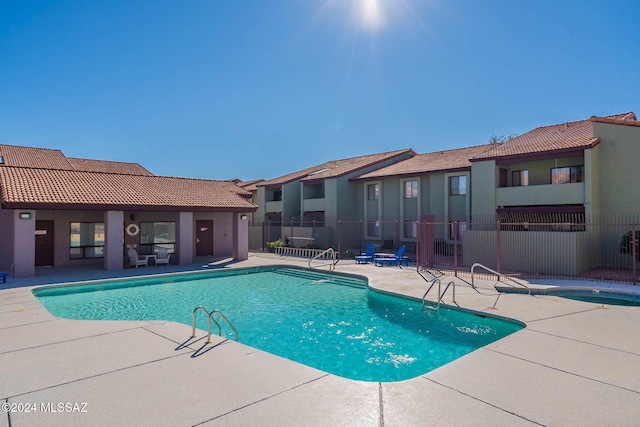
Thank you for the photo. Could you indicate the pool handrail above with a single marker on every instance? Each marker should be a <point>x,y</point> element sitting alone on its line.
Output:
<point>440,294</point>
<point>211,319</point>
<point>500,277</point>
<point>332,256</point>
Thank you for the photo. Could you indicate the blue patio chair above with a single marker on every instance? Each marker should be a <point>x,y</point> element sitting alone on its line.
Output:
<point>396,259</point>
<point>367,255</point>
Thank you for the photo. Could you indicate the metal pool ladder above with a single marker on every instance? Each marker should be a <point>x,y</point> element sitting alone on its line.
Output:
<point>327,254</point>
<point>211,319</point>
<point>501,278</point>
<point>440,294</point>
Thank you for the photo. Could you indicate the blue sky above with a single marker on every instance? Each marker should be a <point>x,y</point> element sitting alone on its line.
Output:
<point>248,89</point>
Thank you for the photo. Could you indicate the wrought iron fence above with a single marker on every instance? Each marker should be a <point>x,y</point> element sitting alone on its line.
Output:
<point>544,245</point>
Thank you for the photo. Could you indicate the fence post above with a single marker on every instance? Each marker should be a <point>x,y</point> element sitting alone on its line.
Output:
<point>418,243</point>
<point>498,247</point>
<point>291,234</point>
<point>339,250</point>
<point>313,235</point>
<point>455,248</point>
<point>268,231</point>
<point>634,250</point>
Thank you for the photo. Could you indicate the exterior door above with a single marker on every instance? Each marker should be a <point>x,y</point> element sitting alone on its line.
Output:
<point>44,243</point>
<point>204,237</point>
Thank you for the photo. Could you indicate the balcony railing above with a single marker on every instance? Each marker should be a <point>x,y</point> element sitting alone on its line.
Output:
<point>550,194</point>
<point>274,206</point>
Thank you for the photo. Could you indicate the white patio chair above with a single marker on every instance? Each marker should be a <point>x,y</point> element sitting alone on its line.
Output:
<point>162,256</point>
<point>136,260</point>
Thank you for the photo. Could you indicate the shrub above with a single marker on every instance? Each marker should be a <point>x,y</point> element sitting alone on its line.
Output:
<point>275,244</point>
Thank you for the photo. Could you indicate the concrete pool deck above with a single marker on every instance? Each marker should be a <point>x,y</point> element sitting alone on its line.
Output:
<point>575,363</point>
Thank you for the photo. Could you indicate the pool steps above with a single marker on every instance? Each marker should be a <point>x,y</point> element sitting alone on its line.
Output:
<point>318,278</point>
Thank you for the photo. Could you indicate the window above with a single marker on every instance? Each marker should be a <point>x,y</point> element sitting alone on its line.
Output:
<point>314,191</point>
<point>567,175</point>
<point>458,185</point>
<point>373,191</point>
<point>410,189</point>
<point>411,229</point>
<point>457,229</point>
<point>520,178</point>
<point>86,240</point>
<point>373,228</point>
<point>157,234</point>
<point>277,195</point>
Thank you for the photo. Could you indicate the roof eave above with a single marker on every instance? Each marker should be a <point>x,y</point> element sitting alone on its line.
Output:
<point>413,173</point>
<point>541,155</point>
<point>104,207</point>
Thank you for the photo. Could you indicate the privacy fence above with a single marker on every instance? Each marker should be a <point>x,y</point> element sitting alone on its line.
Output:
<point>528,246</point>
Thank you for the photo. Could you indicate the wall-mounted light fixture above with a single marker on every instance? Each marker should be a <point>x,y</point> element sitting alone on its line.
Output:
<point>24,215</point>
<point>243,217</point>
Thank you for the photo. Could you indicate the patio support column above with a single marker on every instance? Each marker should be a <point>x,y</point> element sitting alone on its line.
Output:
<point>114,240</point>
<point>24,244</point>
<point>186,242</point>
<point>240,237</point>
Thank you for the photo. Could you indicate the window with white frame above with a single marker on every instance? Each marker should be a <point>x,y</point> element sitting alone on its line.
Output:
<point>458,185</point>
<point>567,175</point>
<point>373,191</point>
<point>520,178</point>
<point>411,189</point>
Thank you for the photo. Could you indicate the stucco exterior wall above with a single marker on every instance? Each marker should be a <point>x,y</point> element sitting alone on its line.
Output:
<point>592,183</point>
<point>6,239</point>
<point>619,163</point>
<point>484,179</point>
<point>113,238</point>
<point>185,229</point>
<point>556,253</point>
<point>260,200</point>
<point>222,232</point>
<point>62,229</point>
<point>291,199</point>
<point>24,230</point>
<point>240,237</point>
<point>436,191</point>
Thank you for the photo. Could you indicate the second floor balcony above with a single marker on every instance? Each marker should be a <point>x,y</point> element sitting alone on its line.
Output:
<point>550,194</point>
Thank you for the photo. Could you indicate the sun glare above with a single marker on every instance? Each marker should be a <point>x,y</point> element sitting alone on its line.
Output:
<point>371,14</point>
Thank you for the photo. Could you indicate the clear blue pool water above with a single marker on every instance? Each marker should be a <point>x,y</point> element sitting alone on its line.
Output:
<point>597,296</point>
<point>331,322</point>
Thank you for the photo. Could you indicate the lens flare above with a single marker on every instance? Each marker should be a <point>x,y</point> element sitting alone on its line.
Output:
<point>371,14</point>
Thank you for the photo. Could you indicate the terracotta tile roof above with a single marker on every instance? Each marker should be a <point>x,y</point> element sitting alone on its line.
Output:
<point>65,189</point>
<point>31,157</point>
<point>249,185</point>
<point>558,137</point>
<point>629,120</point>
<point>455,159</point>
<point>336,168</point>
<point>89,165</point>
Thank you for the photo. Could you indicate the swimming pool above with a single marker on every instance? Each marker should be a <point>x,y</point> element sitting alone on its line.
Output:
<point>597,296</point>
<point>331,322</point>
